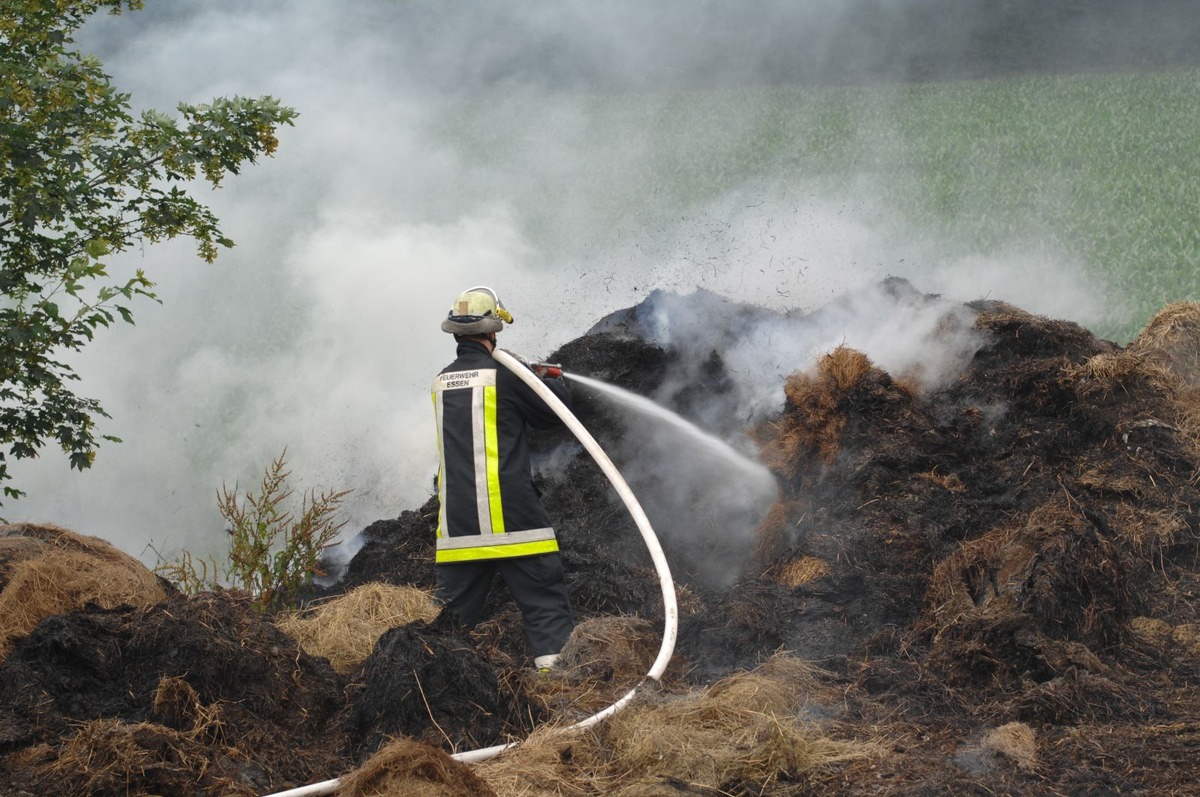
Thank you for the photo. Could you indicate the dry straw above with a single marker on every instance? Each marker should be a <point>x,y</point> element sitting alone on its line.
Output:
<point>620,648</point>
<point>1016,742</point>
<point>814,418</point>
<point>142,759</point>
<point>1172,340</point>
<point>177,705</point>
<point>603,659</point>
<point>345,629</point>
<point>799,571</point>
<point>549,764</point>
<point>1171,343</point>
<point>52,571</point>
<point>776,533</point>
<point>1181,641</point>
<point>407,768</point>
<point>743,730</point>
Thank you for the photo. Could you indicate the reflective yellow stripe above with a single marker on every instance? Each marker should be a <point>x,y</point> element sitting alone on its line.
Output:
<point>441,474</point>
<point>491,446</point>
<point>495,551</point>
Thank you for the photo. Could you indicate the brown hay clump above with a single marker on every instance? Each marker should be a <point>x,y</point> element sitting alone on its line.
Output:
<point>1015,742</point>
<point>800,571</point>
<point>611,648</point>
<point>177,705</point>
<point>1172,341</point>
<point>345,629</point>
<point>743,733</point>
<point>815,413</point>
<point>407,768</point>
<point>52,570</point>
<point>1113,373</point>
<point>1029,599</point>
<point>743,730</point>
<point>106,757</point>
<point>775,687</point>
<point>549,763</point>
<point>600,662</point>
<point>776,533</point>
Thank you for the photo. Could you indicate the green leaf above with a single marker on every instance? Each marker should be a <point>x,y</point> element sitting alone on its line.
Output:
<point>98,247</point>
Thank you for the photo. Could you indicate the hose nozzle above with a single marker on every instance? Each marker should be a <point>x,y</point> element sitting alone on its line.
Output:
<point>547,370</point>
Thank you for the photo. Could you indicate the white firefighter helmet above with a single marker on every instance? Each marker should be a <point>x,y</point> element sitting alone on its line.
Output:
<point>476,311</point>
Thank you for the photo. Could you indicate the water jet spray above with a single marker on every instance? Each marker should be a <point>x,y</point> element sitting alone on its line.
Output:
<point>710,444</point>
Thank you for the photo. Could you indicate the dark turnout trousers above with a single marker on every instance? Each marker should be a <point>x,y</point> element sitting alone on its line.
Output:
<point>536,584</point>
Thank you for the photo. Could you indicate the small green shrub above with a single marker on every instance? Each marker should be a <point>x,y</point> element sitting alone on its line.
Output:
<point>273,552</point>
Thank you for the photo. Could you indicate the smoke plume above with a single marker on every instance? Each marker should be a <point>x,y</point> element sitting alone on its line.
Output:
<point>443,145</point>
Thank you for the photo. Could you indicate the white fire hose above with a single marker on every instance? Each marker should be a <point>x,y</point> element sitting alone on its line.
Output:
<point>670,606</point>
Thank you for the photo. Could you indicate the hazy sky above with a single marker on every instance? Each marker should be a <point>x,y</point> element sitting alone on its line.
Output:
<point>319,331</point>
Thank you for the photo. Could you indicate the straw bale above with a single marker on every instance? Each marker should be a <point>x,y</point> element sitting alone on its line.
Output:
<point>1078,696</point>
<point>345,629</point>
<point>1187,637</point>
<point>1187,410</point>
<point>717,744</point>
<point>567,695</point>
<point>407,768</point>
<point>817,398</point>
<point>844,367</point>
<point>992,603</point>
<point>1103,480</point>
<point>814,417</point>
<point>657,787</point>
<point>14,550</point>
<point>1151,631</point>
<point>742,729</point>
<point>71,572</point>
<point>64,539</point>
<point>1014,741</point>
<point>1000,313</point>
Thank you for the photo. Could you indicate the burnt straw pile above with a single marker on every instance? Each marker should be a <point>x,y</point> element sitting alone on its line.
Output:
<point>975,569</point>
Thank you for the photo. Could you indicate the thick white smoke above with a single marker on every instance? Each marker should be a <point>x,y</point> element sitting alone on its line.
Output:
<point>318,333</point>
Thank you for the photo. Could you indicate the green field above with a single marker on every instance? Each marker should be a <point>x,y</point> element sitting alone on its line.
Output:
<point>1101,169</point>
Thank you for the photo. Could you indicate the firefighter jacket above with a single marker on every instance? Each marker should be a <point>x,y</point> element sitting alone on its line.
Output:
<point>489,507</point>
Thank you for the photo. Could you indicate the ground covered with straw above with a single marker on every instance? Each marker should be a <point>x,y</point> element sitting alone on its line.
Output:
<point>980,575</point>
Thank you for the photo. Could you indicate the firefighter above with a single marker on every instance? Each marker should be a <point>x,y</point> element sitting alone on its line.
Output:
<point>491,519</point>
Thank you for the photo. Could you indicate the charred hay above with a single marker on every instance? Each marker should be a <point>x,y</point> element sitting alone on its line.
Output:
<point>110,664</point>
<point>996,569</point>
<point>427,682</point>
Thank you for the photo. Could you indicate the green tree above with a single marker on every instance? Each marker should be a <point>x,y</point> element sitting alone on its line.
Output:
<point>81,180</point>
